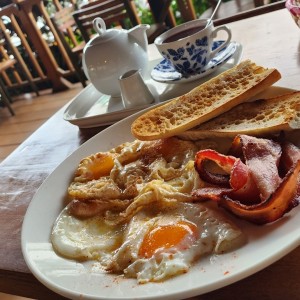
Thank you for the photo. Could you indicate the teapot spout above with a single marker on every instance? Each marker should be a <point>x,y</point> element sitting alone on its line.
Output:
<point>139,34</point>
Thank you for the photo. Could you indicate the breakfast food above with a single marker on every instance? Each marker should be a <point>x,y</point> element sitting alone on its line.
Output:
<point>157,243</point>
<point>160,244</point>
<point>261,182</point>
<point>137,174</point>
<point>131,210</point>
<point>141,208</point>
<point>257,118</point>
<point>212,98</point>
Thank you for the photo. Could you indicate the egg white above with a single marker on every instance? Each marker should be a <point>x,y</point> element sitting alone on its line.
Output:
<point>87,238</point>
<point>215,235</point>
<point>117,247</point>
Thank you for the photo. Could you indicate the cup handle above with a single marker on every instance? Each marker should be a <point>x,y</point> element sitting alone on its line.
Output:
<point>214,33</point>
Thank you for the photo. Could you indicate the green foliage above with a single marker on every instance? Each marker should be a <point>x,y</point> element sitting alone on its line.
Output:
<point>145,15</point>
<point>200,6</point>
<point>147,18</point>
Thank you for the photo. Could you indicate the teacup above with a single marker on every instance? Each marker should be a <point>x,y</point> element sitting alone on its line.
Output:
<point>189,46</point>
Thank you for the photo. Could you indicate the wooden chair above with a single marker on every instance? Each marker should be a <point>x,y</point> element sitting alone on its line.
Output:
<point>114,13</point>
<point>64,25</point>
<point>162,11</point>
<point>5,65</point>
<point>121,13</point>
<point>187,10</point>
<point>12,64</point>
<point>164,17</point>
<point>4,97</point>
<point>16,65</point>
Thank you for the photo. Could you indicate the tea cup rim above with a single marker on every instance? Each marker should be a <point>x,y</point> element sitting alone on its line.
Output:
<point>187,25</point>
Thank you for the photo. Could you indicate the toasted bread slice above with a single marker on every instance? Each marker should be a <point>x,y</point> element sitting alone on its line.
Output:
<point>204,102</point>
<point>257,118</point>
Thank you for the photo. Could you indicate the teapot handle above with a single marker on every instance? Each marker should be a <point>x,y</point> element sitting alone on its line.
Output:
<point>99,26</point>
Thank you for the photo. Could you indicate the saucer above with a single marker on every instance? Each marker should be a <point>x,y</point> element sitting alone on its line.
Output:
<point>166,73</point>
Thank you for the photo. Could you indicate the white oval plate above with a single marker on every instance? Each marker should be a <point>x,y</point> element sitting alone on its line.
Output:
<point>83,280</point>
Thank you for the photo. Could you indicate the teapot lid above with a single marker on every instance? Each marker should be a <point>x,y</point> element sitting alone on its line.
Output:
<point>103,34</point>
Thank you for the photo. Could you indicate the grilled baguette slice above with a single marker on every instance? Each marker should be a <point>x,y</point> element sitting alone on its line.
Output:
<point>204,102</point>
<point>255,118</point>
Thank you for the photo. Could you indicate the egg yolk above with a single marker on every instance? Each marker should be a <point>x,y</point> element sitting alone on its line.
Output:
<point>168,236</point>
<point>102,166</point>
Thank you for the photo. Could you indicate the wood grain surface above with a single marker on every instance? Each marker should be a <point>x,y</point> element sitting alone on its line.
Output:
<point>272,40</point>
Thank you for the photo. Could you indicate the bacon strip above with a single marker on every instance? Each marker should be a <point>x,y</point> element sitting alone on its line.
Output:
<point>282,201</point>
<point>290,154</point>
<point>240,180</point>
<point>262,158</point>
<point>211,193</point>
<point>256,192</point>
<point>225,162</point>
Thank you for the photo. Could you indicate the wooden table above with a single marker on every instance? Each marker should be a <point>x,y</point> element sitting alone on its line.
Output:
<point>272,40</point>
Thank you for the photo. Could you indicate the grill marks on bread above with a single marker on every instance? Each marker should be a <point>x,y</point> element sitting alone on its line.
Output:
<point>206,101</point>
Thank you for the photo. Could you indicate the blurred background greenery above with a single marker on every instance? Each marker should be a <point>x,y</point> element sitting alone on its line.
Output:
<point>142,7</point>
<point>146,16</point>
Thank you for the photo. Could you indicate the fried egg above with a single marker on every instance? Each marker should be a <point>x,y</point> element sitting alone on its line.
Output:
<point>156,244</point>
<point>89,238</point>
<point>160,245</point>
<point>139,219</point>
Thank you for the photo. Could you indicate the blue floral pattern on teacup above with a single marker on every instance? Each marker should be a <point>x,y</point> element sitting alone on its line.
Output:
<point>193,58</point>
<point>176,54</point>
<point>165,71</point>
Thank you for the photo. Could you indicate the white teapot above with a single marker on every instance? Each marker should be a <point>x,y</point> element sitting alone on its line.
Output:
<point>112,53</point>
